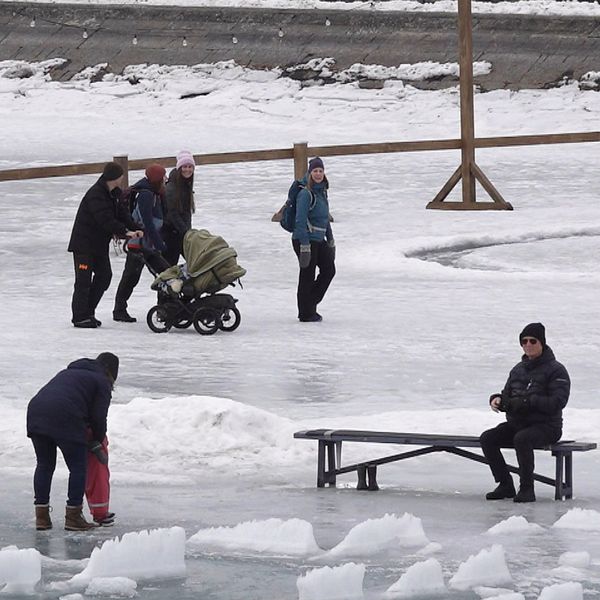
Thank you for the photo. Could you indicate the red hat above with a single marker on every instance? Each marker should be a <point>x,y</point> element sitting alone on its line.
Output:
<point>155,173</point>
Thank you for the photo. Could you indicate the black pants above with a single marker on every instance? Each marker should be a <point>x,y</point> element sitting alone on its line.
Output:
<point>174,242</point>
<point>134,265</point>
<point>524,440</point>
<point>311,289</point>
<point>75,456</point>
<point>92,278</point>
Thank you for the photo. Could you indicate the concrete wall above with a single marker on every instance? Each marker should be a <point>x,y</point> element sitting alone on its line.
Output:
<point>525,51</point>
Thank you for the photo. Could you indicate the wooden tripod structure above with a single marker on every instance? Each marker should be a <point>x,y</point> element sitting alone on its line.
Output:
<point>468,172</point>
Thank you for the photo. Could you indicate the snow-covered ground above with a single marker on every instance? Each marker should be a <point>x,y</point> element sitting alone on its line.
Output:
<point>420,326</point>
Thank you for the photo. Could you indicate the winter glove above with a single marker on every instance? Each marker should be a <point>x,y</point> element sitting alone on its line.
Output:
<point>331,244</point>
<point>518,404</point>
<point>304,258</point>
<point>95,447</point>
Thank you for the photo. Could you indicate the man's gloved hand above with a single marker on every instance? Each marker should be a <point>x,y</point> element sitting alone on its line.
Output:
<point>518,404</point>
<point>304,258</point>
<point>331,244</point>
<point>95,447</point>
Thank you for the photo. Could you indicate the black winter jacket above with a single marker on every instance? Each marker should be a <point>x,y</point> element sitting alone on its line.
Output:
<point>76,398</point>
<point>100,217</point>
<point>544,385</point>
<point>178,219</point>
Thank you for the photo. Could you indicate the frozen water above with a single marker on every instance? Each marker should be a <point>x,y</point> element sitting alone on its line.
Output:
<point>562,591</point>
<point>120,587</point>
<point>507,596</point>
<point>153,554</point>
<point>274,536</point>
<point>421,579</point>
<point>493,593</point>
<point>386,532</point>
<point>20,570</point>
<point>332,583</point>
<point>488,567</point>
<point>512,525</point>
<point>579,518</point>
<point>575,559</point>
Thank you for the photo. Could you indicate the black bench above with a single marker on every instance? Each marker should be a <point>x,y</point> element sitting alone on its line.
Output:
<point>329,457</point>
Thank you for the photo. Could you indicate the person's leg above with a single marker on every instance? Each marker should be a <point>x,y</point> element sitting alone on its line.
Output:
<point>132,271</point>
<point>45,454</point>
<point>326,265</point>
<point>80,304</point>
<point>100,281</point>
<point>491,441</point>
<point>174,243</point>
<point>306,278</point>
<point>524,441</point>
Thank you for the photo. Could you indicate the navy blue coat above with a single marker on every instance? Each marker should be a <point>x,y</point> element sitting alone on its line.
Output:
<point>73,400</point>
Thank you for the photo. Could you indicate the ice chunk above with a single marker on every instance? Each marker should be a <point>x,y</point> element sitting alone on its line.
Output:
<point>290,537</point>
<point>507,596</point>
<point>420,579</point>
<point>562,591</point>
<point>574,559</point>
<point>580,518</point>
<point>20,570</point>
<point>72,597</point>
<point>121,587</point>
<point>373,535</point>
<point>514,524</point>
<point>332,583</point>
<point>153,554</point>
<point>431,548</point>
<point>486,568</point>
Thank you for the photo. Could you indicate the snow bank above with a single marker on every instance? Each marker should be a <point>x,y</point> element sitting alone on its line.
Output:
<point>121,587</point>
<point>486,568</point>
<point>293,537</point>
<point>421,579</point>
<point>20,570</point>
<point>514,524</point>
<point>374,535</point>
<point>580,518</point>
<point>562,591</point>
<point>579,560</point>
<point>154,554</point>
<point>332,583</point>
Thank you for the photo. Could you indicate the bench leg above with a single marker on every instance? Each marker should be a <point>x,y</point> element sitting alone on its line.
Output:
<point>331,453</point>
<point>321,464</point>
<point>372,474</point>
<point>558,477</point>
<point>569,475</point>
<point>361,471</point>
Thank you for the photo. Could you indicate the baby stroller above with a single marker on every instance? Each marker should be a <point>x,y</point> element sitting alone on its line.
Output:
<point>187,294</point>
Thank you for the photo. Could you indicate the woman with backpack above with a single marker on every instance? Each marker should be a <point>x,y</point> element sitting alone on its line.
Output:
<point>313,243</point>
<point>180,205</point>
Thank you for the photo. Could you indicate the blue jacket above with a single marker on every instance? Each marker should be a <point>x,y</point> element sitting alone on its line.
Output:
<point>149,213</point>
<point>312,225</point>
<point>73,400</point>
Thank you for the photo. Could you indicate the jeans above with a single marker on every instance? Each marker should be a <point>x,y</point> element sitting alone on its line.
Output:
<point>524,439</point>
<point>75,455</point>
<point>92,278</point>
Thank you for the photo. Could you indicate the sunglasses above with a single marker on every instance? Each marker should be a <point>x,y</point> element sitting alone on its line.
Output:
<point>531,341</point>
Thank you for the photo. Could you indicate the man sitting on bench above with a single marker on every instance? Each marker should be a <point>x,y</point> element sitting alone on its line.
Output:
<point>533,398</point>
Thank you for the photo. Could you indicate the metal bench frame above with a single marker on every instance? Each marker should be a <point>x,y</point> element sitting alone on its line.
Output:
<point>329,457</point>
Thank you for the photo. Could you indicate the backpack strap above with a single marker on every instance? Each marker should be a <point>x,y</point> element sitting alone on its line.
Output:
<point>311,205</point>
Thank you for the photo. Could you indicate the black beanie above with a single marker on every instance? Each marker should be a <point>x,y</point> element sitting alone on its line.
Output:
<point>112,171</point>
<point>110,362</point>
<point>534,330</point>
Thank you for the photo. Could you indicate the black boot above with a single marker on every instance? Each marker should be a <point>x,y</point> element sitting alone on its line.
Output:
<point>505,489</point>
<point>123,316</point>
<point>526,494</point>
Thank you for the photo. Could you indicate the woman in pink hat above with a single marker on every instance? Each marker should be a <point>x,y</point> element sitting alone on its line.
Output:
<point>180,205</point>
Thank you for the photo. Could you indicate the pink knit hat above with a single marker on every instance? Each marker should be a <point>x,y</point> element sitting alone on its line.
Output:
<point>184,158</point>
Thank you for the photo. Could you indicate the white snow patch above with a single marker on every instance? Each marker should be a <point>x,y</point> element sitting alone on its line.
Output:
<point>374,535</point>
<point>431,548</point>
<point>493,593</point>
<point>580,518</point>
<point>332,583</point>
<point>562,591</point>
<point>488,567</point>
<point>514,524</point>
<point>293,537</point>
<point>20,570</point>
<point>580,559</point>
<point>420,579</point>
<point>121,587</point>
<point>71,597</point>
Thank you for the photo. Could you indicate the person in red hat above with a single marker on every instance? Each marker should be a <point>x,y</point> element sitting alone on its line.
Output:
<point>149,193</point>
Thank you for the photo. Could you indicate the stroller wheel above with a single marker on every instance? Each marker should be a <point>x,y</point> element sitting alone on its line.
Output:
<point>157,319</point>
<point>206,321</point>
<point>230,319</point>
<point>183,324</point>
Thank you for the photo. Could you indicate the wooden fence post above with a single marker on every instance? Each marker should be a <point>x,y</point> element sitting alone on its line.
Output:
<point>300,159</point>
<point>123,161</point>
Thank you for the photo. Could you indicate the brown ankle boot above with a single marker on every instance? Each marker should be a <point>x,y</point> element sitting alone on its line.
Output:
<point>42,517</point>
<point>74,520</point>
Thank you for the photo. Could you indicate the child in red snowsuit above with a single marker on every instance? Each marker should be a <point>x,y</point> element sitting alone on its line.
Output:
<point>97,484</point>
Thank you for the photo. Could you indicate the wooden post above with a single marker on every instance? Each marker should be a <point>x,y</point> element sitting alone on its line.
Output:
<point>300,159</point>
<point>123,161</point>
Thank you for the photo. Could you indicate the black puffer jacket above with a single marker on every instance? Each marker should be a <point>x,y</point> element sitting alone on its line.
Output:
<point>544,385</point>
<point>76,398</point>
<point>99,217</point>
